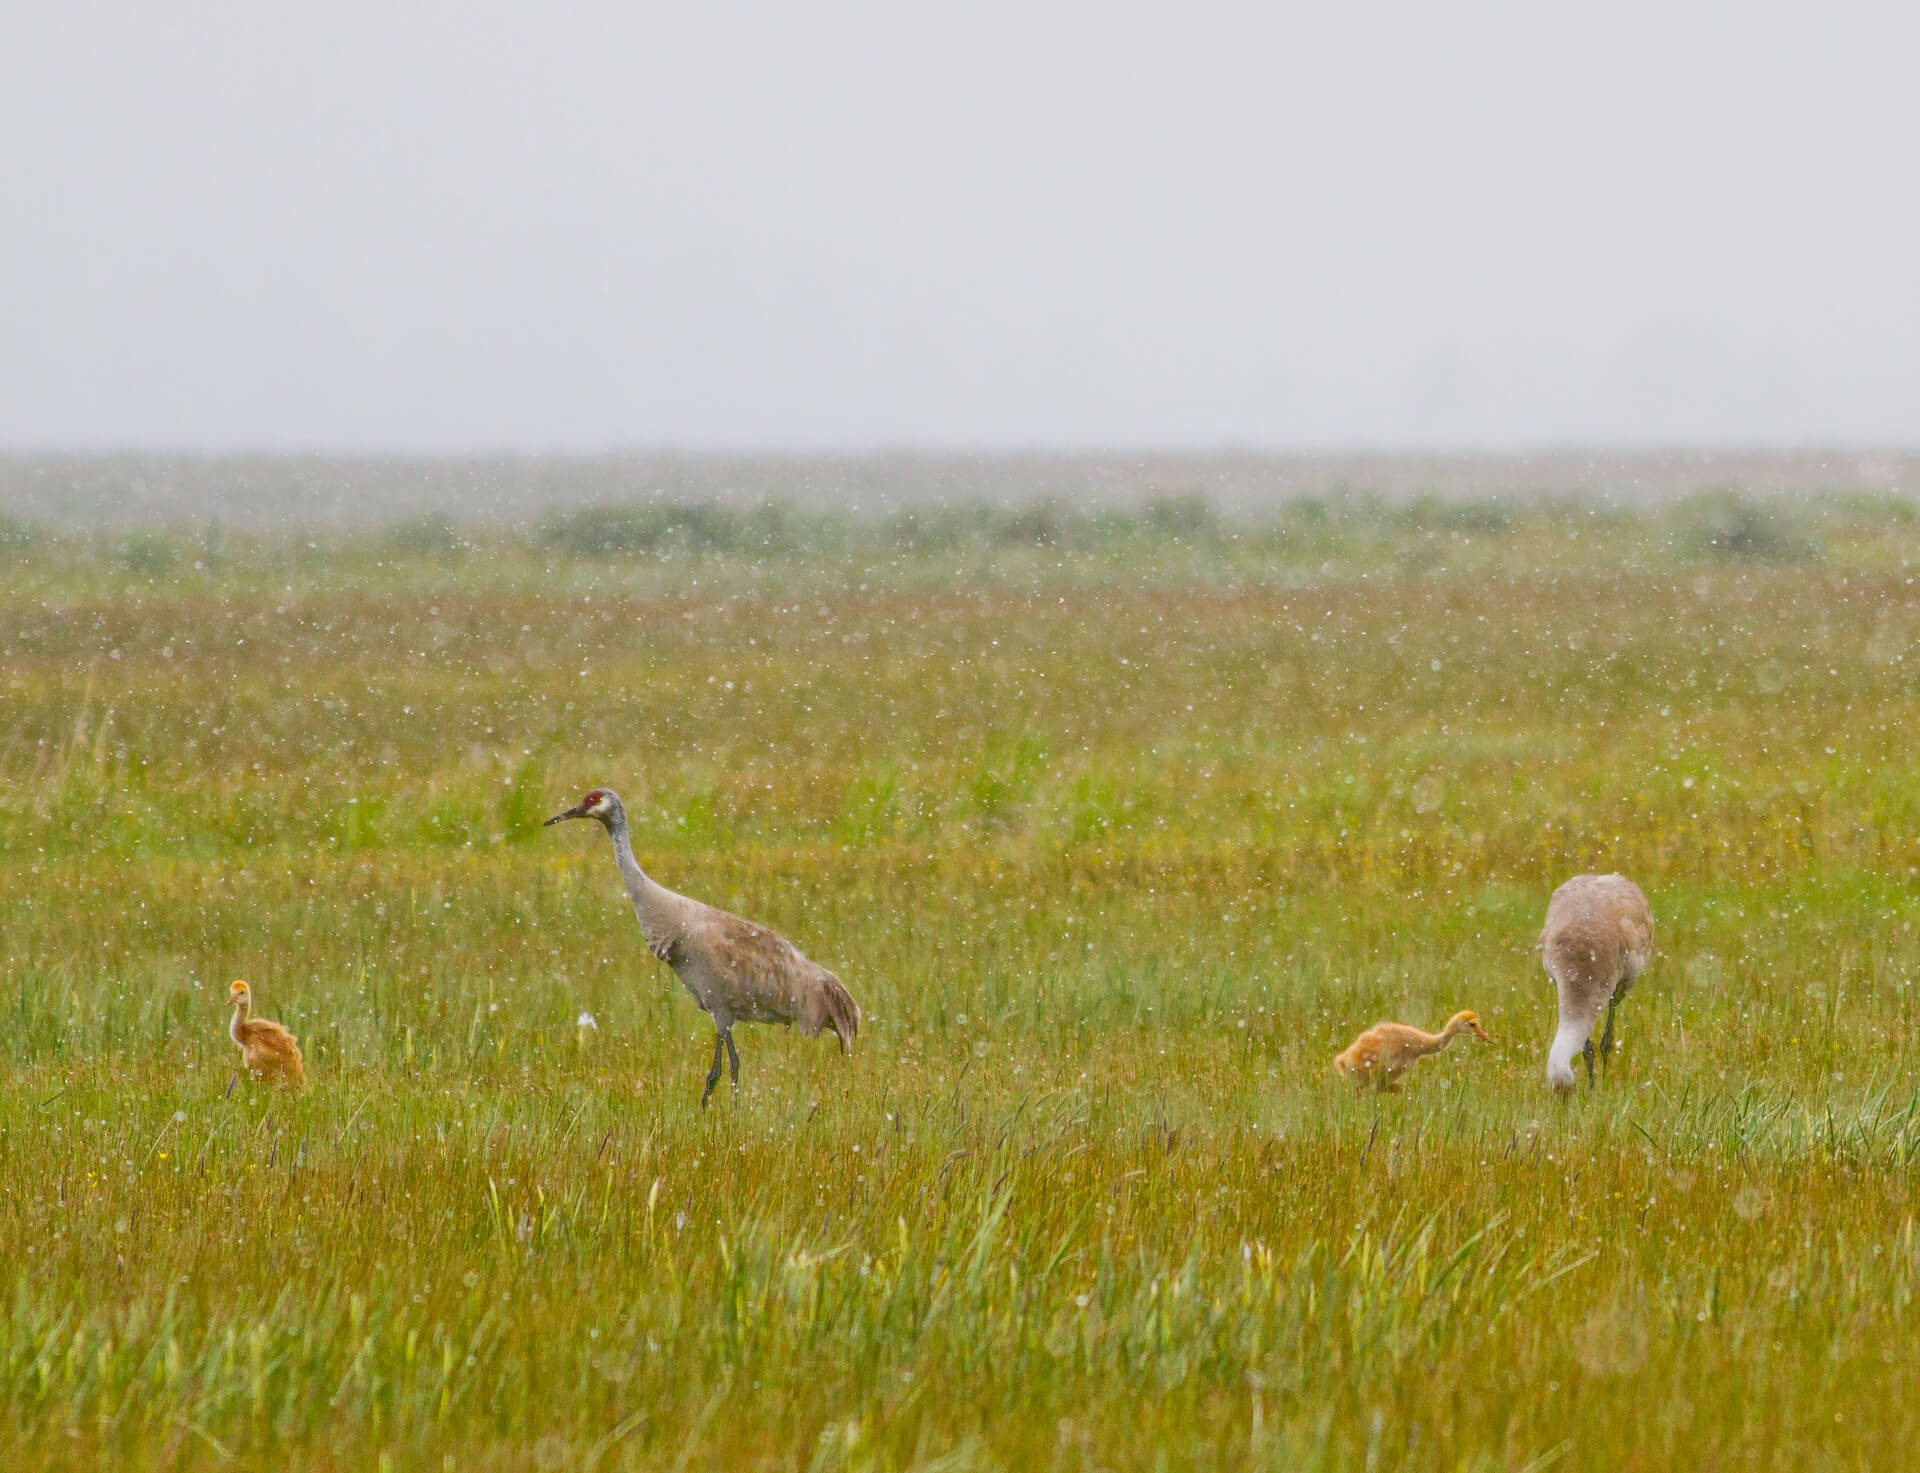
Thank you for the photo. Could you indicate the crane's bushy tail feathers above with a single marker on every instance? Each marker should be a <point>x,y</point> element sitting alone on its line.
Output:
<point>843,1013</point>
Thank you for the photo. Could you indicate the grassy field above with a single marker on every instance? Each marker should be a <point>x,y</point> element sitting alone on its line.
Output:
<point>1118,828</point>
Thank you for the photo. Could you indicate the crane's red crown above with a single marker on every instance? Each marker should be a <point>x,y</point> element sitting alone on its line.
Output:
<point>597,804</point>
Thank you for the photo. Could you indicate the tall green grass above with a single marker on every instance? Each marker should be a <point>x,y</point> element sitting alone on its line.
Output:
<point>1118,833</point>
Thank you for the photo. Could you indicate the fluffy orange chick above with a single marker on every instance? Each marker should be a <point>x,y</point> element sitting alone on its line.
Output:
<point>267,1049</point>
<point>1385,1051</point>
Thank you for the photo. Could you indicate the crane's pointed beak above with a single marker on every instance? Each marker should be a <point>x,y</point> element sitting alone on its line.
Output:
<point>579,810</point>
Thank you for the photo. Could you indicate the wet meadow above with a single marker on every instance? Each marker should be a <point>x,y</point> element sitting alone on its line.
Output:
<point>1119,826</point>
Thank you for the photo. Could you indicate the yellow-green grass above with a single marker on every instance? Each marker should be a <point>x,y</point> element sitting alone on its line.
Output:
<point>1116,848</point>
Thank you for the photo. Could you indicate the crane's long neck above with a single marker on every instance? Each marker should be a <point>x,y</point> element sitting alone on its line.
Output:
<point>237,1029</point>
<point>1567,1042</point>
<point>652,903</point>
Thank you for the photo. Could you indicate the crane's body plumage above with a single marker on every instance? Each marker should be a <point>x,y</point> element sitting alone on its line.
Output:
<point>1597,940</point>
<point>268,1050</point>
<point>737,970</point>
<point>1378,1057</point>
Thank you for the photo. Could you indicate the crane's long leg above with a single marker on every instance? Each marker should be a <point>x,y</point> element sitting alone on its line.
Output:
<point>1606,1038</point>
<point>1585,1048</point>
<point>733,1057</point>
<point>713,1074</point>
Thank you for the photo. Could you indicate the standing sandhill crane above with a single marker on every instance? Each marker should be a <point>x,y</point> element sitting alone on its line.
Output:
<point>1387,1050</point>
<point>1596,943</point>
<point>267,1049</point>
<point>738,972</point>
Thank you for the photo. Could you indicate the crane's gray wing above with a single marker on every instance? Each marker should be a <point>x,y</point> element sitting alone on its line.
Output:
<point>751,967</point>
<point>765,978</point>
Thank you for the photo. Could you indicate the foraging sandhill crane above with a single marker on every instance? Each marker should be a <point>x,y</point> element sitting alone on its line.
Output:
<point>1385,1051</point>
<point>738,971</point>
<point>1597,941</point>
<point>267,1049</point>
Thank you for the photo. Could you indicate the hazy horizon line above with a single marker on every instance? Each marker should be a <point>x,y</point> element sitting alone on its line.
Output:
<point>959,451</point>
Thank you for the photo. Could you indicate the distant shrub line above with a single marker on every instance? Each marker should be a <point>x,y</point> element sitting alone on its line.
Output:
<point>1718,526</point>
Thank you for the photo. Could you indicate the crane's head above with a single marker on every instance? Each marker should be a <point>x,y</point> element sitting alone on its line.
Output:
<point>240,995</point>
<point>1470,1021</point>
<point>601,803</point>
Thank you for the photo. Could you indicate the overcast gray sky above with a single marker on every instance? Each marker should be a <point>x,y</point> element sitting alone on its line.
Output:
<point>472,226</point>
